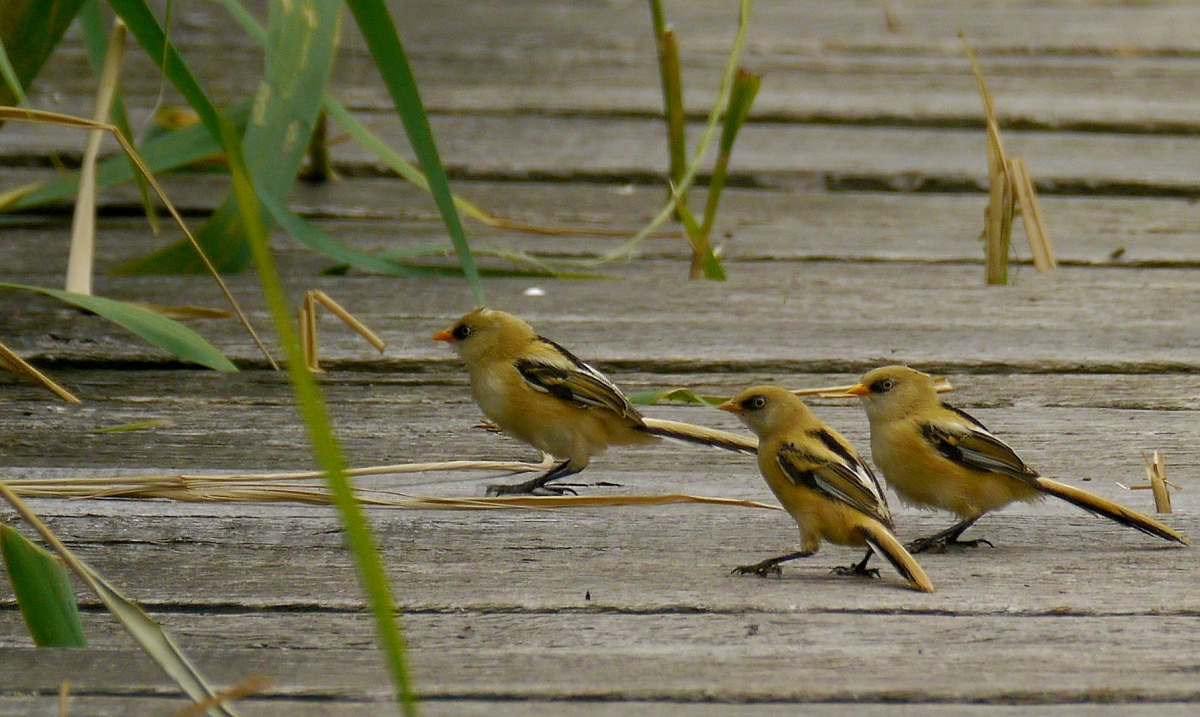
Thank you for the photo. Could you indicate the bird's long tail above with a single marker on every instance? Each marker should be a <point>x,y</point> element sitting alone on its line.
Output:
<point>701,435</point>
<point>1109,509</point>
<point>883,542</point>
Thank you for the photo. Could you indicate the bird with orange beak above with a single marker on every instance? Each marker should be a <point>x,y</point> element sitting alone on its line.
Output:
<point>540,393</point>
<point>821,482</point>
<point>939,457</point>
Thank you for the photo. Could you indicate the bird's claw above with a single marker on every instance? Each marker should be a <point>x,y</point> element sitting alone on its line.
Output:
<point>764,569</point>
<point>856,570</point>
<point>925,545</point>
<point>489,427</point>
<point>500,489</point>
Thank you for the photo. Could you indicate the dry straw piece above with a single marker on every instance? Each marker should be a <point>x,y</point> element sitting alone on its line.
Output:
<point>53,118</point>
<point>249,686</point>
<point>18,365</point>
<point>308,327</point>
<point>294,488</point>
<point>83,226</point>
<point>1010,189</point>
<point>1156,475</point>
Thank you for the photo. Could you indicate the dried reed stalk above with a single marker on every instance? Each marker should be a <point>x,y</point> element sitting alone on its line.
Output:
<point>18,365</point>
<point>249,686</point>
<point>308,327</point>
<point>83,225</point>
<point>1156,474</point>
<point>1009,187</point>
<point>55,118</point>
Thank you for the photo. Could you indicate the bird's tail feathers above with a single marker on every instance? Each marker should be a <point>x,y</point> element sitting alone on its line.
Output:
<point>1108,509</point>
<point>883,542</point>
<point>701,435</point>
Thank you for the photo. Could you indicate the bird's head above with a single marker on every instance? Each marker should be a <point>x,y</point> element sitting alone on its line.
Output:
<point>893,392</point>
<point>769,409</point>
<point>484,335</point>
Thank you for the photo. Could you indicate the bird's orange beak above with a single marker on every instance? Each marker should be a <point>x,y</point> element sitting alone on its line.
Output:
<point>730,407</point>
<point>444,336</point>
<point>858,390</point>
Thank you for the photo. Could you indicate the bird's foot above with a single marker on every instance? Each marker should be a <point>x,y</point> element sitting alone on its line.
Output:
<point>529,488</point>
<point>765,569</point>
<point>857,570</point>
<point>941,545</point>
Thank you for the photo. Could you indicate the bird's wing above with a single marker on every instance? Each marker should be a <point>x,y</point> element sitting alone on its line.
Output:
<point>838,475</point>
<point>556,371</point>
<point>962,439</point>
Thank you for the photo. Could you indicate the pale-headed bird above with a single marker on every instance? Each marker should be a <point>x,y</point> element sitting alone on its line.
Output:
<point>936,456</point>
<point>820,480</point>
<point>540,393</point>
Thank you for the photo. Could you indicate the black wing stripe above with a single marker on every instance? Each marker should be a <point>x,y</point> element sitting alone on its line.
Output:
<point>832,444</point>
<point>952,447</point>
<point>965,416</point>
<point>794,474</point>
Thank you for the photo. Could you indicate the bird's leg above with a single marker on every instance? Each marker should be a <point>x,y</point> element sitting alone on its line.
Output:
<point>860,568</point>
<point>537,486</point>
<point>939,542</point>
<point>770,566</point>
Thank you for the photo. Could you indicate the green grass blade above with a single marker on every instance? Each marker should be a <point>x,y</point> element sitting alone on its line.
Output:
<point>95,38</point>
<point>627,249</point>
<point>164,333</point>
<point>399,262</point>
<point>29,32</point>
<point>43,592</point>
<point>12,83</point>
<point>375,22</point>
<point>304,232</point>
<point>391,158</point>
<point>672,89</point>
<point>301,43</point>
<point>149,634</point>
<point>741,97</point>
<point>144,27</point>
<point>324,444</point>
<point>357,130</point>
<point>161,153</point>
<point>704,261</point>
<point>223,244</point>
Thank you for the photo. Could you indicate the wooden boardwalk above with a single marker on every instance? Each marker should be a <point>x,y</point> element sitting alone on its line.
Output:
<point>851,237</point>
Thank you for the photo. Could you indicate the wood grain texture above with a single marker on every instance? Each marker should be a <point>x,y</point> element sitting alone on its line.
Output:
<point>104,706</point>
<point>850,238</point>
<point>605,149</point>
<point>811,316</point>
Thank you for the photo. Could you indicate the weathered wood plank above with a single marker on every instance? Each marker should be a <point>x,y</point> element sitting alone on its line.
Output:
<point>1135,93</point>
<point>1063,424</point>
<point>636,560</point>
<point>47,706</point>
<point>848,657</point>
<point>573,148</point>
<point>376,214</point>
<point>819,63</point>
<point>776,317</point>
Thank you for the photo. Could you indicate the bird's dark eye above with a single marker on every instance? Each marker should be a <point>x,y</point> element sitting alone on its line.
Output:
<point>754,403</point>
<point>883,385</point>
<point>461,332</point>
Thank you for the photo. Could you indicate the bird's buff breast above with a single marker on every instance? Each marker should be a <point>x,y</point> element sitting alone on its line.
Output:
<point>924,479</point>
<point>539,419</point>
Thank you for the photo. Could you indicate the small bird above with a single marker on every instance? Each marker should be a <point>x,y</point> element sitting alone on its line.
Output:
<point>540,393</point>
<point>936,456</point>
<point>828,490</point>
